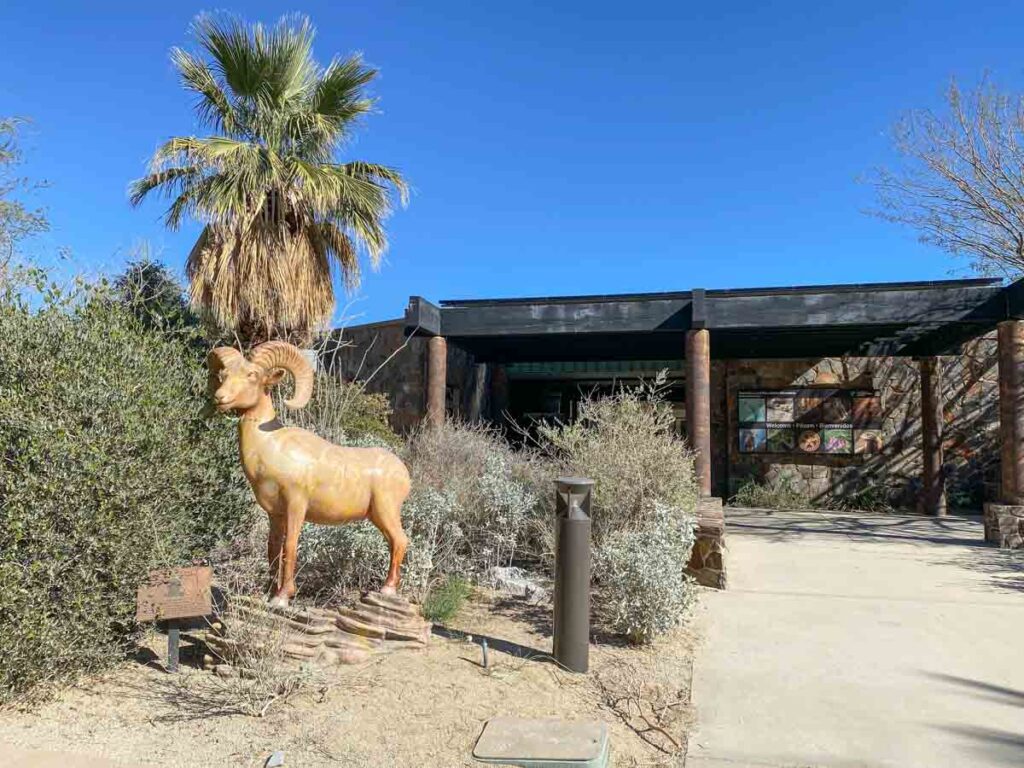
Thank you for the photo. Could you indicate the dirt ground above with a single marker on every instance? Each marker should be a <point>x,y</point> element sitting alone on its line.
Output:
<point>409,709</point>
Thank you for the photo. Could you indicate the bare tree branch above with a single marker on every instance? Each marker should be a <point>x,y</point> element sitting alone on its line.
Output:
<point>961,180</point>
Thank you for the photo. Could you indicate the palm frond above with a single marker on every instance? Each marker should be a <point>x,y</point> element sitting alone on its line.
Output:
<point>281,215</point>
<point>214,105</point>
<point>236,53</point>
<point>169,181</point>
<point>339,246</point>
<point>381,175</point>
<point>338,95</point>
<point>291,71</point>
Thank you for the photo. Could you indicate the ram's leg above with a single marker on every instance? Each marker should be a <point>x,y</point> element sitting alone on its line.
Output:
<point>387,516</point>
<point>296,514</point>
<point>275,553</point>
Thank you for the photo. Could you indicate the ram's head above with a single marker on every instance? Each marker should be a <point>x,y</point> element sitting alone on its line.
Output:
<point>236,384</point>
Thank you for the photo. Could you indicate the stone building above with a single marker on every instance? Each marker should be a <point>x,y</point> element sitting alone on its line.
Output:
<point>860,393</point>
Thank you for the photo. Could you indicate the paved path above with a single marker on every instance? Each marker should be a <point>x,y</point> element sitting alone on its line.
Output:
<point>864,640</point>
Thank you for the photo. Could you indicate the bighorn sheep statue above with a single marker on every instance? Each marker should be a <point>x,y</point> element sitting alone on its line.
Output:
<point>297,476</point>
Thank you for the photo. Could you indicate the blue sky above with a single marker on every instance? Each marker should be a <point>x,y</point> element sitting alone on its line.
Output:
<point>558,147</point>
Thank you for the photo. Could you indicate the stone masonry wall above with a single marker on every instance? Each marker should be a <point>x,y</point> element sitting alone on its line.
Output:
<point>970,432</point>
<point>381,356</point>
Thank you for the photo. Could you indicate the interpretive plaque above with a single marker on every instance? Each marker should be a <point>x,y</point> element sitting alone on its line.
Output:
<point>178,593</point>
<point>172,595</point>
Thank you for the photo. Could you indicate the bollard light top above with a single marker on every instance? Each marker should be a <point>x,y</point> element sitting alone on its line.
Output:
<point>585,482</point>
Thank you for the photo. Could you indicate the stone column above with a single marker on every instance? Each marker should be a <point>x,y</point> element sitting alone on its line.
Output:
<point>933,497</point>
<point>437,375</point>
<point>1011,410</point>
<point>1004,522</point>
<point>698,404</point>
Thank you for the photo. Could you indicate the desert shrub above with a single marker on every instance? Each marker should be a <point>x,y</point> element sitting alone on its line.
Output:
<point>644,591</point>
<point>874,497</point>
<point>627,445</point>
<point>496,493</point>
<point>109,470</point>
<point>343,413</point>
<point>436,540</point>
<point>644,498</point>
<point>471,508</point>
<point>445,600</point>
<point>253,672</point>
<point>335,559</point>
<point>263,676</point>
<point>781,492</point>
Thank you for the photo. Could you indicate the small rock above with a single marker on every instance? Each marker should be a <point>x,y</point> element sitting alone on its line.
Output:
<point>276,760</point>
<point>515,581</point>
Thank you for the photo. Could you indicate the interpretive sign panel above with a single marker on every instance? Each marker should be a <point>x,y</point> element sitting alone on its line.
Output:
<point>820,421</point>
<point>178,593</point>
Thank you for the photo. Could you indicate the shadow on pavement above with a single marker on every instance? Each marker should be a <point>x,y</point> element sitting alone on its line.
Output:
<point>783,526</point>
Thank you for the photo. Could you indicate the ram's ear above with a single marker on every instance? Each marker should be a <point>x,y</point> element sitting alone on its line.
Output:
<point>274,376</point>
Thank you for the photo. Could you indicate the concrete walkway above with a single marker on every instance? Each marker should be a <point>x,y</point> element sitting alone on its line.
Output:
<point>868,640</point>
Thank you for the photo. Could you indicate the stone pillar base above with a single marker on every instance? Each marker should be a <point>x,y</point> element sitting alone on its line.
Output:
<point>1004,525</point>
<point>707,560</point>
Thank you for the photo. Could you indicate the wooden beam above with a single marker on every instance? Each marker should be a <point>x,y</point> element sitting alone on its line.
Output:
<point>422,318</point>
<point>566,317</point>
<point>934,306</point>
<point>698,309</point>
<point>927,307</point>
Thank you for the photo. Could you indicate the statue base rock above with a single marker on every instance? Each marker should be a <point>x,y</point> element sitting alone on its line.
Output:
<point>377,624</point>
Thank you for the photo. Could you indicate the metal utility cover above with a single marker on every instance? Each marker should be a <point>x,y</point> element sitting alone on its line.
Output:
<point>543,743</point>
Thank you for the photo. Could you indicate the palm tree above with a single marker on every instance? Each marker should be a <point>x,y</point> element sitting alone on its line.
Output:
<point>279,214</point>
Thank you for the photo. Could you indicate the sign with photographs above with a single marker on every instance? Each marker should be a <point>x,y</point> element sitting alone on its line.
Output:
<point>832,421</point>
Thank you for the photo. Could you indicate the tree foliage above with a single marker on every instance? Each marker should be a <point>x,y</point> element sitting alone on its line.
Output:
<point>154,296</point>
<point>278,212</point>
<point>17,220</point>
<point>109,470</point>
<point>961,182</point>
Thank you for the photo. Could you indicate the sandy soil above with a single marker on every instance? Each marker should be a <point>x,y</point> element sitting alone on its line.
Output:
<point>410,709</point>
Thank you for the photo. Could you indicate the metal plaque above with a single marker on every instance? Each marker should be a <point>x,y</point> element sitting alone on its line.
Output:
<point>178,593</point>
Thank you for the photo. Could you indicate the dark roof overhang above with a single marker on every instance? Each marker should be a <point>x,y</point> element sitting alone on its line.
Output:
<point>917,318</point>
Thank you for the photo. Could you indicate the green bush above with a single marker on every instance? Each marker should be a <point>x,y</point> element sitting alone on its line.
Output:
<point>868,498</point>
<point>780,493</point>
<point>447,599</point>
<point>109,470</point>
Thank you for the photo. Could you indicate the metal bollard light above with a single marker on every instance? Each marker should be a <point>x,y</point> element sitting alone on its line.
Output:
<point>572,573</point>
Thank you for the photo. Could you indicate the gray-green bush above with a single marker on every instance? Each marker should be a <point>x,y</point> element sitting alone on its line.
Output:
<point>644,499</point>
<point>473,506</point>
<point>109,470</point>
<point>645,591</point>
<point>627,445</point>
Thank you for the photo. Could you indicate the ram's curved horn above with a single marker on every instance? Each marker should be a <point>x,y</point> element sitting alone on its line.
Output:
<point>281,354</point>
<point>217,360</point>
